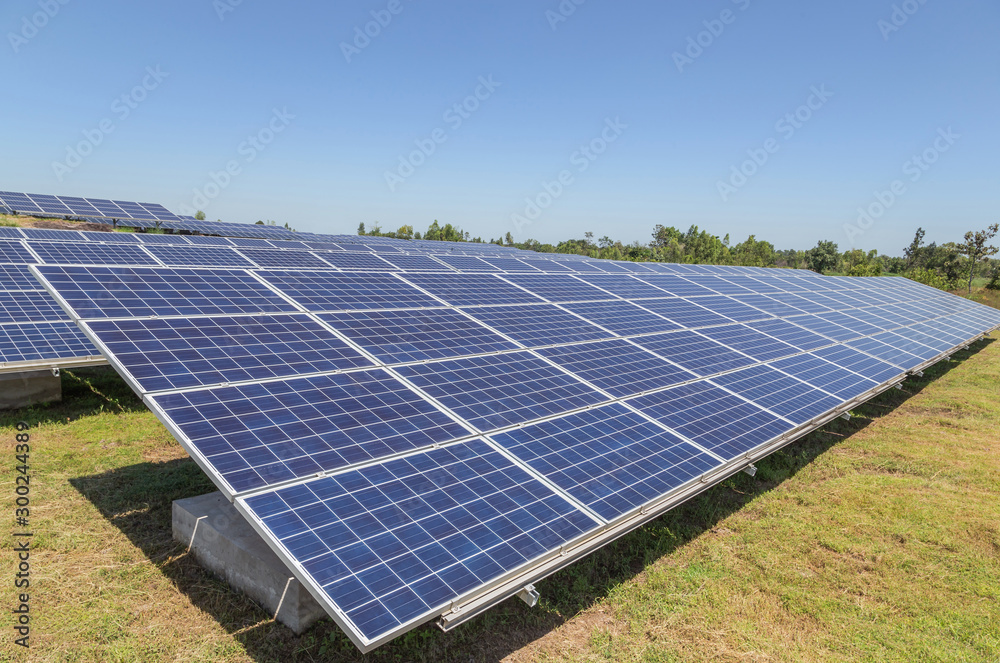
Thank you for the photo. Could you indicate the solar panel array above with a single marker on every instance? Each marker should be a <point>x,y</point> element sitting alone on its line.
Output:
<point>425,442</point>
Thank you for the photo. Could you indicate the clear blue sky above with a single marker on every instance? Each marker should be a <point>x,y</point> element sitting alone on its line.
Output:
<point>325,171</point>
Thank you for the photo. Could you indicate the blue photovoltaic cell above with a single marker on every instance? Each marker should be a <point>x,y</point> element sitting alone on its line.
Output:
<point>750,342</point>
<point>558,287</point>
<point>886,352</point>
<point>801,338</point>
<point>721,286</point>
<point>608,267</point>
<point>257,435</point>
<point>872,318</point>
<point>324,246</point>
<point>397,542</point>
<point>278,258</point>
<point>683,312</point>
<point>500,391</point>
<point>209,241</point>
<point>753,284</point>
<point>14,252</point>
<point>623,285</point>
<point>694,352</point>
<point>769,305</point>
<point>196,256</point>
<point>852,360</point>
<point>120,292</point>
<point>829,329</point>
<point>43,341</point>
<point>549,265</point>
<point>793,399</point>
<point>404,336</point>
<point>536,325</point>
<point>177,353</point>
<point>618,367</point>
<point>29,307</point>
<point>610,459</point>
<point>466,263</point>
<point>509,264</point>
<point>471,289</point>
<point>712,418</point>
<point>730,308</point>
<point>111,237</point>
<point>801,302</point>
<point>88,253</point>
<point>416,263</point>
<point>251,242</point>
<point>290,244</point>
<point>53,235</point>
<point>155,239</point>
<point>332,291</point>
<point>631,267</point>
<point>622,318</point>
<point>852,323</point>
<point>348,260</point>
<point>17,277</point>
<point>822,374</point>
<point>676,285</point>
<point>11,233</point>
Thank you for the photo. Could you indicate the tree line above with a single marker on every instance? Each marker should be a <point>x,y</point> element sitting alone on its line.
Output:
<point>948,266</point>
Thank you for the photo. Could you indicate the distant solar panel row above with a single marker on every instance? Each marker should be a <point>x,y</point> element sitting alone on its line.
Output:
<point>407,442</point>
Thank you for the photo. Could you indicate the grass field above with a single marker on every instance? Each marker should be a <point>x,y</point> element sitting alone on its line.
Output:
<point>876,539</point>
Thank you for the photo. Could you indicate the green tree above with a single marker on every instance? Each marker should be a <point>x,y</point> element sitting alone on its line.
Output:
<point>914,251</point>
<point>976,249</point>
<point>361,228</point>
<point>199,215</point>
<point>823,257</point>
<point>752,253</point>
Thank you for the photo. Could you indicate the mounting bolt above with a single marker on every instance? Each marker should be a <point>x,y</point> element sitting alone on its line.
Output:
<point>750,469</point>
<point>529,595</point>
<point>55,372</point>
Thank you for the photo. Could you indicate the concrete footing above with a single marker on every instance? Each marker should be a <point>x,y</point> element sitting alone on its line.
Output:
<point>224,543</point>
<point>19,390</point>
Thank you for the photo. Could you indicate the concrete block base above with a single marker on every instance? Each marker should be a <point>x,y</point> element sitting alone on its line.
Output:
<point>224,543</point>
<point>19,390</point>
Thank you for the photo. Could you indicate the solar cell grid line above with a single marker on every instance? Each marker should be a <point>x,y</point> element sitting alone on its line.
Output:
<point>509,265</point>
<point>40,341</point>
<point>470,289</point>
<point>621,317</point>
<point>694,352</point>
<point>611,459</point>
<point>713,418</point>
<point>18,278</point>
<point>466,263</point>
<point>471,517</point>
<point>730,308</point>
<point>110,237</point>
<point>792,399</point>
<point>79,206</point>
<point>252,243</point>
<point>914,334</point>
<point>862,364</point>
<point>205,240</point>
<point>790,333</point>
<point>557,288</point>
<point>822,374</point>
<point>609,267</point>
<point>132,292</point>
<point>179,353</point>
<point>887,353</point>
<point>198,256</point>
<point>24,307</point>
<point>825,328</point>
<point>617,366</point>
<point>52,235</point>
<point>90,253</point>
<point>683,312</point>
<point>721,286</point>
<point>870,317</point>
<point>772,307</point>
<point>753,284</point>
<point>341,291</point>
<point>416,263</point>
<point>402,336</point>
<point>805,302</point>
<point>499,391</point>
<point>624,286</point>
<point>937,332</point>
<point>279,258</point>
<point>854,324</point>
<point>676,285</point>
<point>536,325</point>
<point>8,233</point>
<point>359,261</point>
<point>260,434</point>
<point>755,344</point>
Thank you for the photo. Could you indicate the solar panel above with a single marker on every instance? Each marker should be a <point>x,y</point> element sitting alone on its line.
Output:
<point>821,374</point>
<point>88,253</point>
<point>683,312</point>
<point>466,263</point>
<point>29,307</point>
<point>180,353</point>
<point>331,291</point>
<point>714,419</point>
<point>558,287</point>
<point>121,292</point>
<point>543,265</point>
<point>622,318</point>
<point>7,232</point>
<point>391,544</point>
<point>278,258</point>
<point>535,325</point>
<point>262,434</point>
<point>196,256</point>
<point>730,308</point>
<point>471,289</point>
<point>618,367</point>
<point>116,237</point>
<point>627,287</point>
<point>499,391</point>
<point>750,342</point>
<point>42,341</point>
<point>14,252</point>
<point>695,352</point>
<point>610,459</point>
<point>780,393</point>
<point>416,263</point>
<point>404,336</point>
<point>17,277</point>
<point>801,338</point>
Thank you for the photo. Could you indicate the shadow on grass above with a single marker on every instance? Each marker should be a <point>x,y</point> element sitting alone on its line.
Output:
<point>85,391</point>
<point>498,632</point>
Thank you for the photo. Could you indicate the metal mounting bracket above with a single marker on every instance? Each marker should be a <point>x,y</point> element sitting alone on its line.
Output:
<point>750,469</point>
<point>529,595</point>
